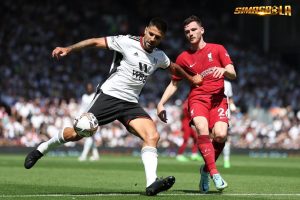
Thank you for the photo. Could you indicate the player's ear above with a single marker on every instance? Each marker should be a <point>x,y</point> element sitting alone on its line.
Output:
<point>202,30</point>
<point>146,29</point>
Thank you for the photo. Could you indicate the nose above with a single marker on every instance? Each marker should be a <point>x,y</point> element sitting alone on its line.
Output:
<point>152,38</point>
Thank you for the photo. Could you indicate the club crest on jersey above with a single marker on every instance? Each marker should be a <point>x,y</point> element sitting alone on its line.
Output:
<point>209,55</point>
<point>136,54</point>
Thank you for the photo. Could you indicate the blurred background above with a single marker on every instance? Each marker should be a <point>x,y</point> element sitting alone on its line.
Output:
<point>40,95</point>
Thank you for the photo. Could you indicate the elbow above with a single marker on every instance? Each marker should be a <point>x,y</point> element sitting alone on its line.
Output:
<point>230,75</point>
<point>233,76</point>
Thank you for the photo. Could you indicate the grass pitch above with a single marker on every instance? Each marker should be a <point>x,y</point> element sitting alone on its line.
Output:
<point>122,177</point>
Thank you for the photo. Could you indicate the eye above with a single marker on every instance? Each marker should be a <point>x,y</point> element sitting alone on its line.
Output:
<point>157,37</point>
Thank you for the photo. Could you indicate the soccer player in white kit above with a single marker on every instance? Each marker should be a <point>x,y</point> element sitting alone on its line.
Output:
<point>89,142</point>
<point>136,58</point>
<point>231,107</point>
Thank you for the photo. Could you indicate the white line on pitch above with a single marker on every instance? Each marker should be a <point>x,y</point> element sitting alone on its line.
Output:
<point>134,194</point>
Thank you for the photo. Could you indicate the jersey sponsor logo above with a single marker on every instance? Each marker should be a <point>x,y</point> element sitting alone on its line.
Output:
<point>139,75</point>
<point>144,67</point>
<point>207,72</point>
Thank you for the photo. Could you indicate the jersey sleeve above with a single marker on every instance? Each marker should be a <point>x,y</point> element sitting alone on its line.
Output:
<point>179,61</point>
<point>165,61</point>
<point>117,43</point>
<point>224,56</point>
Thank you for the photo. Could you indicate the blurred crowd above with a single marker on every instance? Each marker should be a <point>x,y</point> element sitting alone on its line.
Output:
<point>40,95</point>
<point>31,122</point>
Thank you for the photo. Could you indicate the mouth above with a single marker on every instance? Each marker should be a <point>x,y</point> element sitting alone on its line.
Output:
<point>149,44</point>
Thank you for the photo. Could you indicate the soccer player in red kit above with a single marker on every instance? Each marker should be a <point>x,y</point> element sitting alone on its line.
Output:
<point>207,102</point>
<point>188,132</point>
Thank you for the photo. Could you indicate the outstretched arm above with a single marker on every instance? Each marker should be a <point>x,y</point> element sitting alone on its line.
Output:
<point>176,69</point>
<point>169,92</point>
<point>59,52</point>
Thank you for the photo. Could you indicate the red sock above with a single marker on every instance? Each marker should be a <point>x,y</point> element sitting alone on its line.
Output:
<point>194,148</point>
<point>218,148</point>
<point>182,147</point>
<point>208,153</point>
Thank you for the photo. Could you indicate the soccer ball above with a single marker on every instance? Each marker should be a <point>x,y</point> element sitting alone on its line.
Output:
<point>86,125</point>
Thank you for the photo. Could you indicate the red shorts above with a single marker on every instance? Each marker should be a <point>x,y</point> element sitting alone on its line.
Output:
<point>213,108</point>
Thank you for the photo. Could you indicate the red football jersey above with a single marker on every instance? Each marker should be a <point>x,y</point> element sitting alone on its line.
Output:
<point>202,62</point>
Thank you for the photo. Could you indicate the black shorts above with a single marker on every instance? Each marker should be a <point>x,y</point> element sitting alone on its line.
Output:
<point>107,109</point>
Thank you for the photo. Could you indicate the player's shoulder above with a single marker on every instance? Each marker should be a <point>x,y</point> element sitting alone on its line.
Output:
<point>158,51</point>
<point>133,37</point>
<point>215,45</point>
<point>129,38</point>
<point>185,53</point>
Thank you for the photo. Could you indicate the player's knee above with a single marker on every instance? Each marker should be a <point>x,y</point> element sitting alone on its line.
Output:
<point>152,137</point>
<point>220,136</point>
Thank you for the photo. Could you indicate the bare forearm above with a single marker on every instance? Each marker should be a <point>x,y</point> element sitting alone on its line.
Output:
<point>230,72</point>
<point>89,43</point>
<point>177,69</point>
<point>169,92</point>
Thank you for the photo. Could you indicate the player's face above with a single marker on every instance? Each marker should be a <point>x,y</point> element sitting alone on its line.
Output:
<point>193,32</point>
<point>152,37</point>
<point>89,88</point>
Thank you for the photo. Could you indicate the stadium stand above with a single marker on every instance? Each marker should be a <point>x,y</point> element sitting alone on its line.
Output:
<point>37,95</point>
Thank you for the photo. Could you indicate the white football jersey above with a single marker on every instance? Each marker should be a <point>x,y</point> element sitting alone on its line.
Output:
<point>131,67</point>
<point>86,100</point>
<point>228,88</point>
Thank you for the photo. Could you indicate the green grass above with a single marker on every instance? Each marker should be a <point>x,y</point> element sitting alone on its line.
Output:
<point>122,177</point>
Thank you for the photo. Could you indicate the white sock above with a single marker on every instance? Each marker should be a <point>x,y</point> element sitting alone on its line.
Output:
<point>52,143</point>
<point>149,157</point>
<point>226,151</point>
<point>95,152</point>
<point>86,147</point>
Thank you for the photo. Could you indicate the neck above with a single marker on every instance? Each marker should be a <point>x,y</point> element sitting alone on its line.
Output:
<point>198,46</point>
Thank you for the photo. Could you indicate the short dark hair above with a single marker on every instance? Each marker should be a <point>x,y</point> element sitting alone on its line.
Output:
<point>192,18</point>
<point>159,23</point>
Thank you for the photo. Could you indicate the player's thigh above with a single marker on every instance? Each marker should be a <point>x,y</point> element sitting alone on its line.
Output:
<point>220,130</point>
<point>144,128</point>
<point>199,111</point>
<point>105,108</point>
<point>138,122</point>
<point>218,112</point>
<point>219,119</point>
